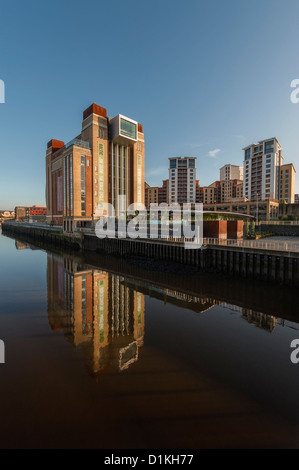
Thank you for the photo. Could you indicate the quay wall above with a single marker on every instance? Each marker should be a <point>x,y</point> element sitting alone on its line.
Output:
<point>249,263</point>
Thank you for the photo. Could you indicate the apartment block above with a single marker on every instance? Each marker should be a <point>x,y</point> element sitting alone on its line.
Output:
<point>262,164</point>
<point>229,174</point>
<point>164,192</point>
<point>156,194</point>
<point>105,161</point>
<point>287,183</point>
<point>182,180</point>
<point>151,196</point>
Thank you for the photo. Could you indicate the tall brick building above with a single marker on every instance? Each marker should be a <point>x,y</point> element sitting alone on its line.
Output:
<point>104,161</point>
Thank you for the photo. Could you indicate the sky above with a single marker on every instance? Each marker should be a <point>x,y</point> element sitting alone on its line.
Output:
<point>205,78</point>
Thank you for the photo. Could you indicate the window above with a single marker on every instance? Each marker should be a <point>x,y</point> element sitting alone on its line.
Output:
<point>247,154</point>
<point>128,129</point>
<point>269,146</point>
<point>172,163</point>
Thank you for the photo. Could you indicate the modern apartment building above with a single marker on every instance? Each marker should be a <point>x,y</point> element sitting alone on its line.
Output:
<point>231,175</point>
<point>287,183</point>
<point>164,192</point>
<point>231,172</point>
<point>182,180</point>
<point>151,196</point>
<point>156,194</point>
<point>104,161</point>
<point>262,164</point>
<point>220,192</point>
<point>205,194</point>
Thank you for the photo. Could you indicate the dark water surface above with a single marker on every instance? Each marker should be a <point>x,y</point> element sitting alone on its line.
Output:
<point>102,353</point>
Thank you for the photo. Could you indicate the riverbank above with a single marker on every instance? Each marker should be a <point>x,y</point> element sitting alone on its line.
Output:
<point>252,262</point>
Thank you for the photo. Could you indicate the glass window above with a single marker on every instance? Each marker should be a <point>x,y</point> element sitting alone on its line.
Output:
<point>247,154</point>
<point>269,146</point>
<point>127,128</point>
<point>172,163</point>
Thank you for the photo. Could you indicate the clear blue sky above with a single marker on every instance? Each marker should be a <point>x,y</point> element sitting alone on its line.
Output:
<point>205,78</point>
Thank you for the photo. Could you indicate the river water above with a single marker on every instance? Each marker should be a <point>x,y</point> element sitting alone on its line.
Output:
<point>106,353</point>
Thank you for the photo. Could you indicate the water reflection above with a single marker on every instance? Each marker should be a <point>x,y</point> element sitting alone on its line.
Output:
<point>104,313</point>
<point>260,320</point>
<point>210,368</point>
<point>97,311</point>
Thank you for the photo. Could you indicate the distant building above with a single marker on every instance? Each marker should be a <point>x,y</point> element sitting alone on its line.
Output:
<point>296,198</point>
<point>220,192</point>
<point>182,180</point>
<point>151,196</point>
<point>287,183</point>
<point>156,194</point>
<point>22,213</point>
<point>164,193</point>
<point>205,194</point>
<point>34,210</point>
<point>228,175</point>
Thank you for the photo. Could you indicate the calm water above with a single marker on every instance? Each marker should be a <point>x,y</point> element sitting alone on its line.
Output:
<point>102,353</point>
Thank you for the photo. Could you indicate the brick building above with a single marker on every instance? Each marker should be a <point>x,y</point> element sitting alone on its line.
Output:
<point>105,161</point>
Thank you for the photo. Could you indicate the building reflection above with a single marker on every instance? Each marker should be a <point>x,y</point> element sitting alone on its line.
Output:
<point>21,246</point>
<point>97,312</point>
<point>103,313</point>
<point>259,319</point>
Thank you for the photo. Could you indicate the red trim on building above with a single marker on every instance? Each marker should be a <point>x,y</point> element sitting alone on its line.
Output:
<point>94,109</point>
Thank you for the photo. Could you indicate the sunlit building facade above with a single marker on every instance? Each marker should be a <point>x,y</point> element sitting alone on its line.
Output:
<point>105,161</point>
<point>182,180</point>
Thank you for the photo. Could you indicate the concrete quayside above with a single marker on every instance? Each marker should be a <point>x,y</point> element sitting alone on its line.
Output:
<point>269,260</point>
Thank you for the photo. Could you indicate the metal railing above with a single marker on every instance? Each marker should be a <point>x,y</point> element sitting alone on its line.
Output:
<point>289,246</point>
<point>279,222</point>
<point>275,245</point>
